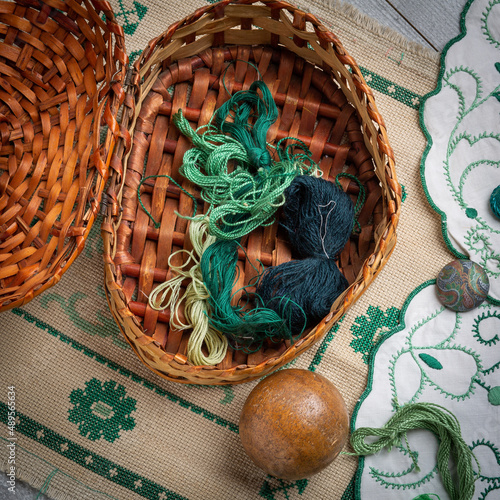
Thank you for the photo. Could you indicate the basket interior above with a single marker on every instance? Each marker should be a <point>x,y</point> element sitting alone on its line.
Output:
<point>312,108</point>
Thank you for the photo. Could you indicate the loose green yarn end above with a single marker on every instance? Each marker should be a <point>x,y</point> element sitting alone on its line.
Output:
<point>444,425</point>
<point>156,223</point>
<point>231,163</point>
<point>359,202</point>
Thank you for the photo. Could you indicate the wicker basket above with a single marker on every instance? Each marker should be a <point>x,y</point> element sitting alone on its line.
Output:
<point>323,100</point>
<point>56,67</point>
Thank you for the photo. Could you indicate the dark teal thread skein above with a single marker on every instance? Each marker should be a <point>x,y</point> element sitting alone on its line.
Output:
<point>318,217</point>
<point>245,329</point>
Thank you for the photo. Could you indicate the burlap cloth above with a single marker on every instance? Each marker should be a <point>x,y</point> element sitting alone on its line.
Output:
<point>159,440</point>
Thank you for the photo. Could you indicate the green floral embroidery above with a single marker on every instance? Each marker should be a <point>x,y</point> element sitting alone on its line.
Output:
<point>485,23</point>
<point>441,351</point>
<point>103,327</point>
<point>385,86</point>
<point>493,392</point>
<point>270,488</point>
<point>403,193</point>
<point>386,478</point>
<point>132,16</point>
<point>424,361</point>
<point>487,491</point>
<point>427,496</point>
<point>430,361</point>
<point>349,493</point>
<point>470,155</point>
<point>134,55</point>
<point>494,456</point>
<point>479,448</point>
<point>471,213</point>
<point>369,329</point>
<point>480,321</point>
<point>494,396</point>
<point>318,356</point>
<point>102,410</point>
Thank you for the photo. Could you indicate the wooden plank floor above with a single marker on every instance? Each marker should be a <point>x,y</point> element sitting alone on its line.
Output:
<point>431,23</point>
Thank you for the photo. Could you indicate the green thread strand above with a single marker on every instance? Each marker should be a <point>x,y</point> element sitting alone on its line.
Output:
<point>195,300</point>
<point>45,485</point>
<point>230,63</point>
<point>361,197</point>
<point>144,179</point>
<point>440,421</point>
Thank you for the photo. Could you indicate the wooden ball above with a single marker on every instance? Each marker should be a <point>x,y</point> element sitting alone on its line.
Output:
<point>294,423</point>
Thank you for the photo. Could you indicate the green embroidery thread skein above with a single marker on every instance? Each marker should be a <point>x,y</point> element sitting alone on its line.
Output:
<point>245,328</point>
<point>231,163</point>
<point>195,299</point>
<point>441,422</point>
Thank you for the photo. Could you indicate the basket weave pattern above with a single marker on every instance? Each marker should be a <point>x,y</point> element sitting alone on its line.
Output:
<point>56,67</point>
<point>323,100</point>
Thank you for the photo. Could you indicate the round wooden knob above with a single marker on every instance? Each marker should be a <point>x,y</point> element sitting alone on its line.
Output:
<point>294,423</point>
<point>462,285</point>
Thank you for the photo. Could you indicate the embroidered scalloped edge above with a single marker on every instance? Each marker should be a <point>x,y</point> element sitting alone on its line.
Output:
<point>371,366</point>
<point>428,137</point>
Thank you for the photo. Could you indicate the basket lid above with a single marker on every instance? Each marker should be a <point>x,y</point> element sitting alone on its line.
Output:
<point>58,61</point>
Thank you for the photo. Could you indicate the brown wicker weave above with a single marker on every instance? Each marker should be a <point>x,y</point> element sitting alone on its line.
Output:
<point>323,100</point>
<point>57,62</point>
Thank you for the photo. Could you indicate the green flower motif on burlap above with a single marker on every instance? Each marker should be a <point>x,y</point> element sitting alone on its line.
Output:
<point>102,410</point>
<point>274,488</point>
<point>369,329</point>
<point>130,15</point>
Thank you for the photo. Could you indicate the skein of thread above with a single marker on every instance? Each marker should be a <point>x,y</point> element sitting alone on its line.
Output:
<point>302,290</point>
<point>245,328</point>
<point>195,299</point>
<point>318,217</point>
<point>440,421</point>
<point>231,163</point>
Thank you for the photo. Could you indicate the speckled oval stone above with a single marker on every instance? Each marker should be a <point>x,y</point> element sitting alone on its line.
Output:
<point>293,424</point>
<point>462,285</point>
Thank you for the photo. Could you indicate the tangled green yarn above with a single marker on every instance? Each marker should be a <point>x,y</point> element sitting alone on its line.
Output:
<point>232,165</point>
<point>444,425</point>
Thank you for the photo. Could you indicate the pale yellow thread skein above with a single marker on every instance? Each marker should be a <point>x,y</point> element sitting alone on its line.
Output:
<point>196,308</point>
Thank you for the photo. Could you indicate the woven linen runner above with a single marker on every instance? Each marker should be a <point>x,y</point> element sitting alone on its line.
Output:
<point>92,423</point>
